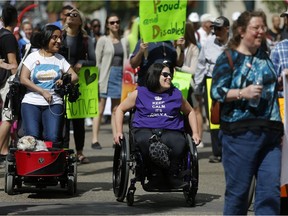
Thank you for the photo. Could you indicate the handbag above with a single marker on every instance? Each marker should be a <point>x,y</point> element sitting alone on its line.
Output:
<point>215,110</point>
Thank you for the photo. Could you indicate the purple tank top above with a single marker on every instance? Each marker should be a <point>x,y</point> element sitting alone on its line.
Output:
<point>154,110</point>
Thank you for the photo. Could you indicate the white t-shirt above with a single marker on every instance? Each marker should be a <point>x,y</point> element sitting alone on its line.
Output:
<point>45,71</point>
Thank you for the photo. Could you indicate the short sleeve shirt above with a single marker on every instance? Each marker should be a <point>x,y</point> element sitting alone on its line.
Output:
<point>45,71</point>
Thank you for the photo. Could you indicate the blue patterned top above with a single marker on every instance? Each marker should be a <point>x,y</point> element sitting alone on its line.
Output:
<point>245,68</point>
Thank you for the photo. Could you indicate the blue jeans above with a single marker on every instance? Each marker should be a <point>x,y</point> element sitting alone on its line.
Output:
<point>244,155</point>
<point>43,122</point>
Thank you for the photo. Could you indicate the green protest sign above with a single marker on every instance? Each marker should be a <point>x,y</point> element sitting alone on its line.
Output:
<point>182,81</point>
<point>162,20</point>
<point>87,103</point>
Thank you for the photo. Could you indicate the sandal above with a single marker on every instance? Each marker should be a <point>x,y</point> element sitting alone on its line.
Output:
<point>82,159</point>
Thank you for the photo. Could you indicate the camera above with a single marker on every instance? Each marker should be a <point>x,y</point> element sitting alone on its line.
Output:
<point>68,88</point>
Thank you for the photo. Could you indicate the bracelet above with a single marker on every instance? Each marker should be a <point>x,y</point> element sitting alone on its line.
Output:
<point>239,96</point>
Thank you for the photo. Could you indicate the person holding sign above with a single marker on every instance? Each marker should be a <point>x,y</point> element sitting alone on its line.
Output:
<point>158,106</point>
<point>78,49</point>
<point>209,53</point>
<point>145,54</point>
<point>191,54</point>
<point>111,53</point>
<point>251,135</point>
<point>42,108</point>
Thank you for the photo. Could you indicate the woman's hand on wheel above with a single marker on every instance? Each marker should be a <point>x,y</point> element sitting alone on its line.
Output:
<point>196,139</point>
<point>117,138</point>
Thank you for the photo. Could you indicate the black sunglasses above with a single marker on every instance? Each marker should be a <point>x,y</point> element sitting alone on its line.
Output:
<point>95,26</point>
<point>72,14</point>
<point>166,74</point>
<point>113,22</point>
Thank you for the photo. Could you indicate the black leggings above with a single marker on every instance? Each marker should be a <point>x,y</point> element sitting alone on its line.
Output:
<point>175,140</point>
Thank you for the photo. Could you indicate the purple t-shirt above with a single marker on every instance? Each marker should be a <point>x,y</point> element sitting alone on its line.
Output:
<point>155,110</point>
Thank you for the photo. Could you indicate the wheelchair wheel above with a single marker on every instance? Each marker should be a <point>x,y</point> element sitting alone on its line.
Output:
<point>190,191</point>
<point>121,168</point>
<point>71,185</point>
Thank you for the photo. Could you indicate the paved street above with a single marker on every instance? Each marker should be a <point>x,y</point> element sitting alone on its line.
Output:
<point>95,192</point>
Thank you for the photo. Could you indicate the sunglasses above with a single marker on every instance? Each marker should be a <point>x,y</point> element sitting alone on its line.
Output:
<point>166,74</point>
<point>96,26</point>
<point>72,14</point>
<point>113,22</point>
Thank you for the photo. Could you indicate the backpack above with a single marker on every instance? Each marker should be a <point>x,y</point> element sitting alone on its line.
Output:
<point>4,73</point>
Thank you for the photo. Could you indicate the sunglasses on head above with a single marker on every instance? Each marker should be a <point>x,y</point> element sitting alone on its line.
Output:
<point>166,74</point>
<point>113,22</point>
<point>72,14</point>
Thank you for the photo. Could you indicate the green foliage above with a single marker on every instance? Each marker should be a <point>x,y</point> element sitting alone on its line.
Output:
<point>54,6</point>
<point>276,6</point>
<point>88,7</point>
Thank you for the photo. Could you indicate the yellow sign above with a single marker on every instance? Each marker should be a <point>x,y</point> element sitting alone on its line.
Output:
<point>87,103</point>
<point>208,88</point>
<point>162,20</point>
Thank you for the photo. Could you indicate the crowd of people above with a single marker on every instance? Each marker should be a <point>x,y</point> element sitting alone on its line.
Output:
<point>249,138</point>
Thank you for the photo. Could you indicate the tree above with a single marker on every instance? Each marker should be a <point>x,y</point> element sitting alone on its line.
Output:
<point>276,6</point>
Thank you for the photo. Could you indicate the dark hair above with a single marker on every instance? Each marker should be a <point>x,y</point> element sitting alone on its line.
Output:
<point>66,7</point>
<point>95,20</point>
<point>9,15</point>
<point>189,34</point>
<point>41,39</point>
<point>241,24</point>
<point>153,75</point>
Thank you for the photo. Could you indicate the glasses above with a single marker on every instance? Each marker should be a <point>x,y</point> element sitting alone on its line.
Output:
<point>166,74</point>
<point>72,14</point>
<point>258,28</point>
<point>56,37</point>
<point>113,22</point>
<point>96,26</point>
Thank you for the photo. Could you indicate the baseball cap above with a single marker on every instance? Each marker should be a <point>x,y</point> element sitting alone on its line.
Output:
<point>194,17</point>
<point>206,18</point>
<point>221,22</point>
<point>284,14</point>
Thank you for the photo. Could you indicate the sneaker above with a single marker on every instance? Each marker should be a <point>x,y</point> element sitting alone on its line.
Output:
<point>215,159</point>
<point>88,122</point>
<point>96,145</point>
<point>200,145</point>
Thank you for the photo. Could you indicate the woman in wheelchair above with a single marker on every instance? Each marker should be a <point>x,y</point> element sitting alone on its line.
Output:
<point>159,118</point>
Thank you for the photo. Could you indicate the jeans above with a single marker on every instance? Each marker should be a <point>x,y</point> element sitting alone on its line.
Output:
<point>43,122</point>
<point>246,154</point>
